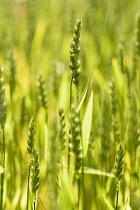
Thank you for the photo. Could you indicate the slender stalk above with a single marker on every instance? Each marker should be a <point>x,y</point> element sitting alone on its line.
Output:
<point>117,198</point>
<point>131,203</point>
<point>34,205</point>
<point>28,186</point>
<point>83,185</point>
<point>3,164</point>
<point>79,182</point>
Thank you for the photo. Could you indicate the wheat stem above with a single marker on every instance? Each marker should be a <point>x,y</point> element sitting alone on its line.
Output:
<point>3,164</point>
<point>28,187</point>
<point>117,198</point>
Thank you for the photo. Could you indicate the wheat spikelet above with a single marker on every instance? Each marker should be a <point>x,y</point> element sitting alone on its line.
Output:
<point>74,53</point>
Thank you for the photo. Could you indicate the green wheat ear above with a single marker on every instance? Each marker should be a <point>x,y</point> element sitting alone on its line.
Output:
<point>75,137</point>
<point>119,165</point>
<point>33,163</point>
<point>113,98</point>
<point>74,53</point>
<point>114,107</point>
<point>32,11</point>
<point>42,100</point>
<point>34,174</point>
<point>31,137</point>
<point>11,60</point>
<point>62,130</point>
<point>24,114</point>
<point>2,99</point>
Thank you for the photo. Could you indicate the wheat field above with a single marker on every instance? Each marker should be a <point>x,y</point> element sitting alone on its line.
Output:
<point>69,105</point>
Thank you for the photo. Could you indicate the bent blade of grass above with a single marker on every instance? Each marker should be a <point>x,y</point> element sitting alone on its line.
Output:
<point>108,204</point>
<point>86,125</point>
<point>97,172</point>
<point>91,171</point>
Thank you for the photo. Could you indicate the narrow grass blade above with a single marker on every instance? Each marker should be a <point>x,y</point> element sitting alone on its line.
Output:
<point>97,172</point>
<point>108,204</point>
<point>91,171</point>
<point>86,125</point>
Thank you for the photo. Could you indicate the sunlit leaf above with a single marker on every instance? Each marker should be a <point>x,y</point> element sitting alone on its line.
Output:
<point>97,172</point>
<point>86,125</point>
<point>108,204</point>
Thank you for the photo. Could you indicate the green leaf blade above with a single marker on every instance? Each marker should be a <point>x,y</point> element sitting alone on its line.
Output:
<point>86,125</point>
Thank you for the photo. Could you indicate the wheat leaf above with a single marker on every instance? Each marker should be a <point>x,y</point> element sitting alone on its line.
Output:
<point>110,207</point>
<point>86,125</point>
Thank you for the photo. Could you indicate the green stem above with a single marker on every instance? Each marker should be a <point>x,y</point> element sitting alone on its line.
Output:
<point>3,164</point>
<point>78,182</point>
<point>83,186</point>
<point>34,205</point>
<point>28,187</point>
<point>117,197</point>
<point>131,204</point>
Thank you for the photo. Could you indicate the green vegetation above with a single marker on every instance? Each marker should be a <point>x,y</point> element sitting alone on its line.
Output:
<point>69,105</point>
